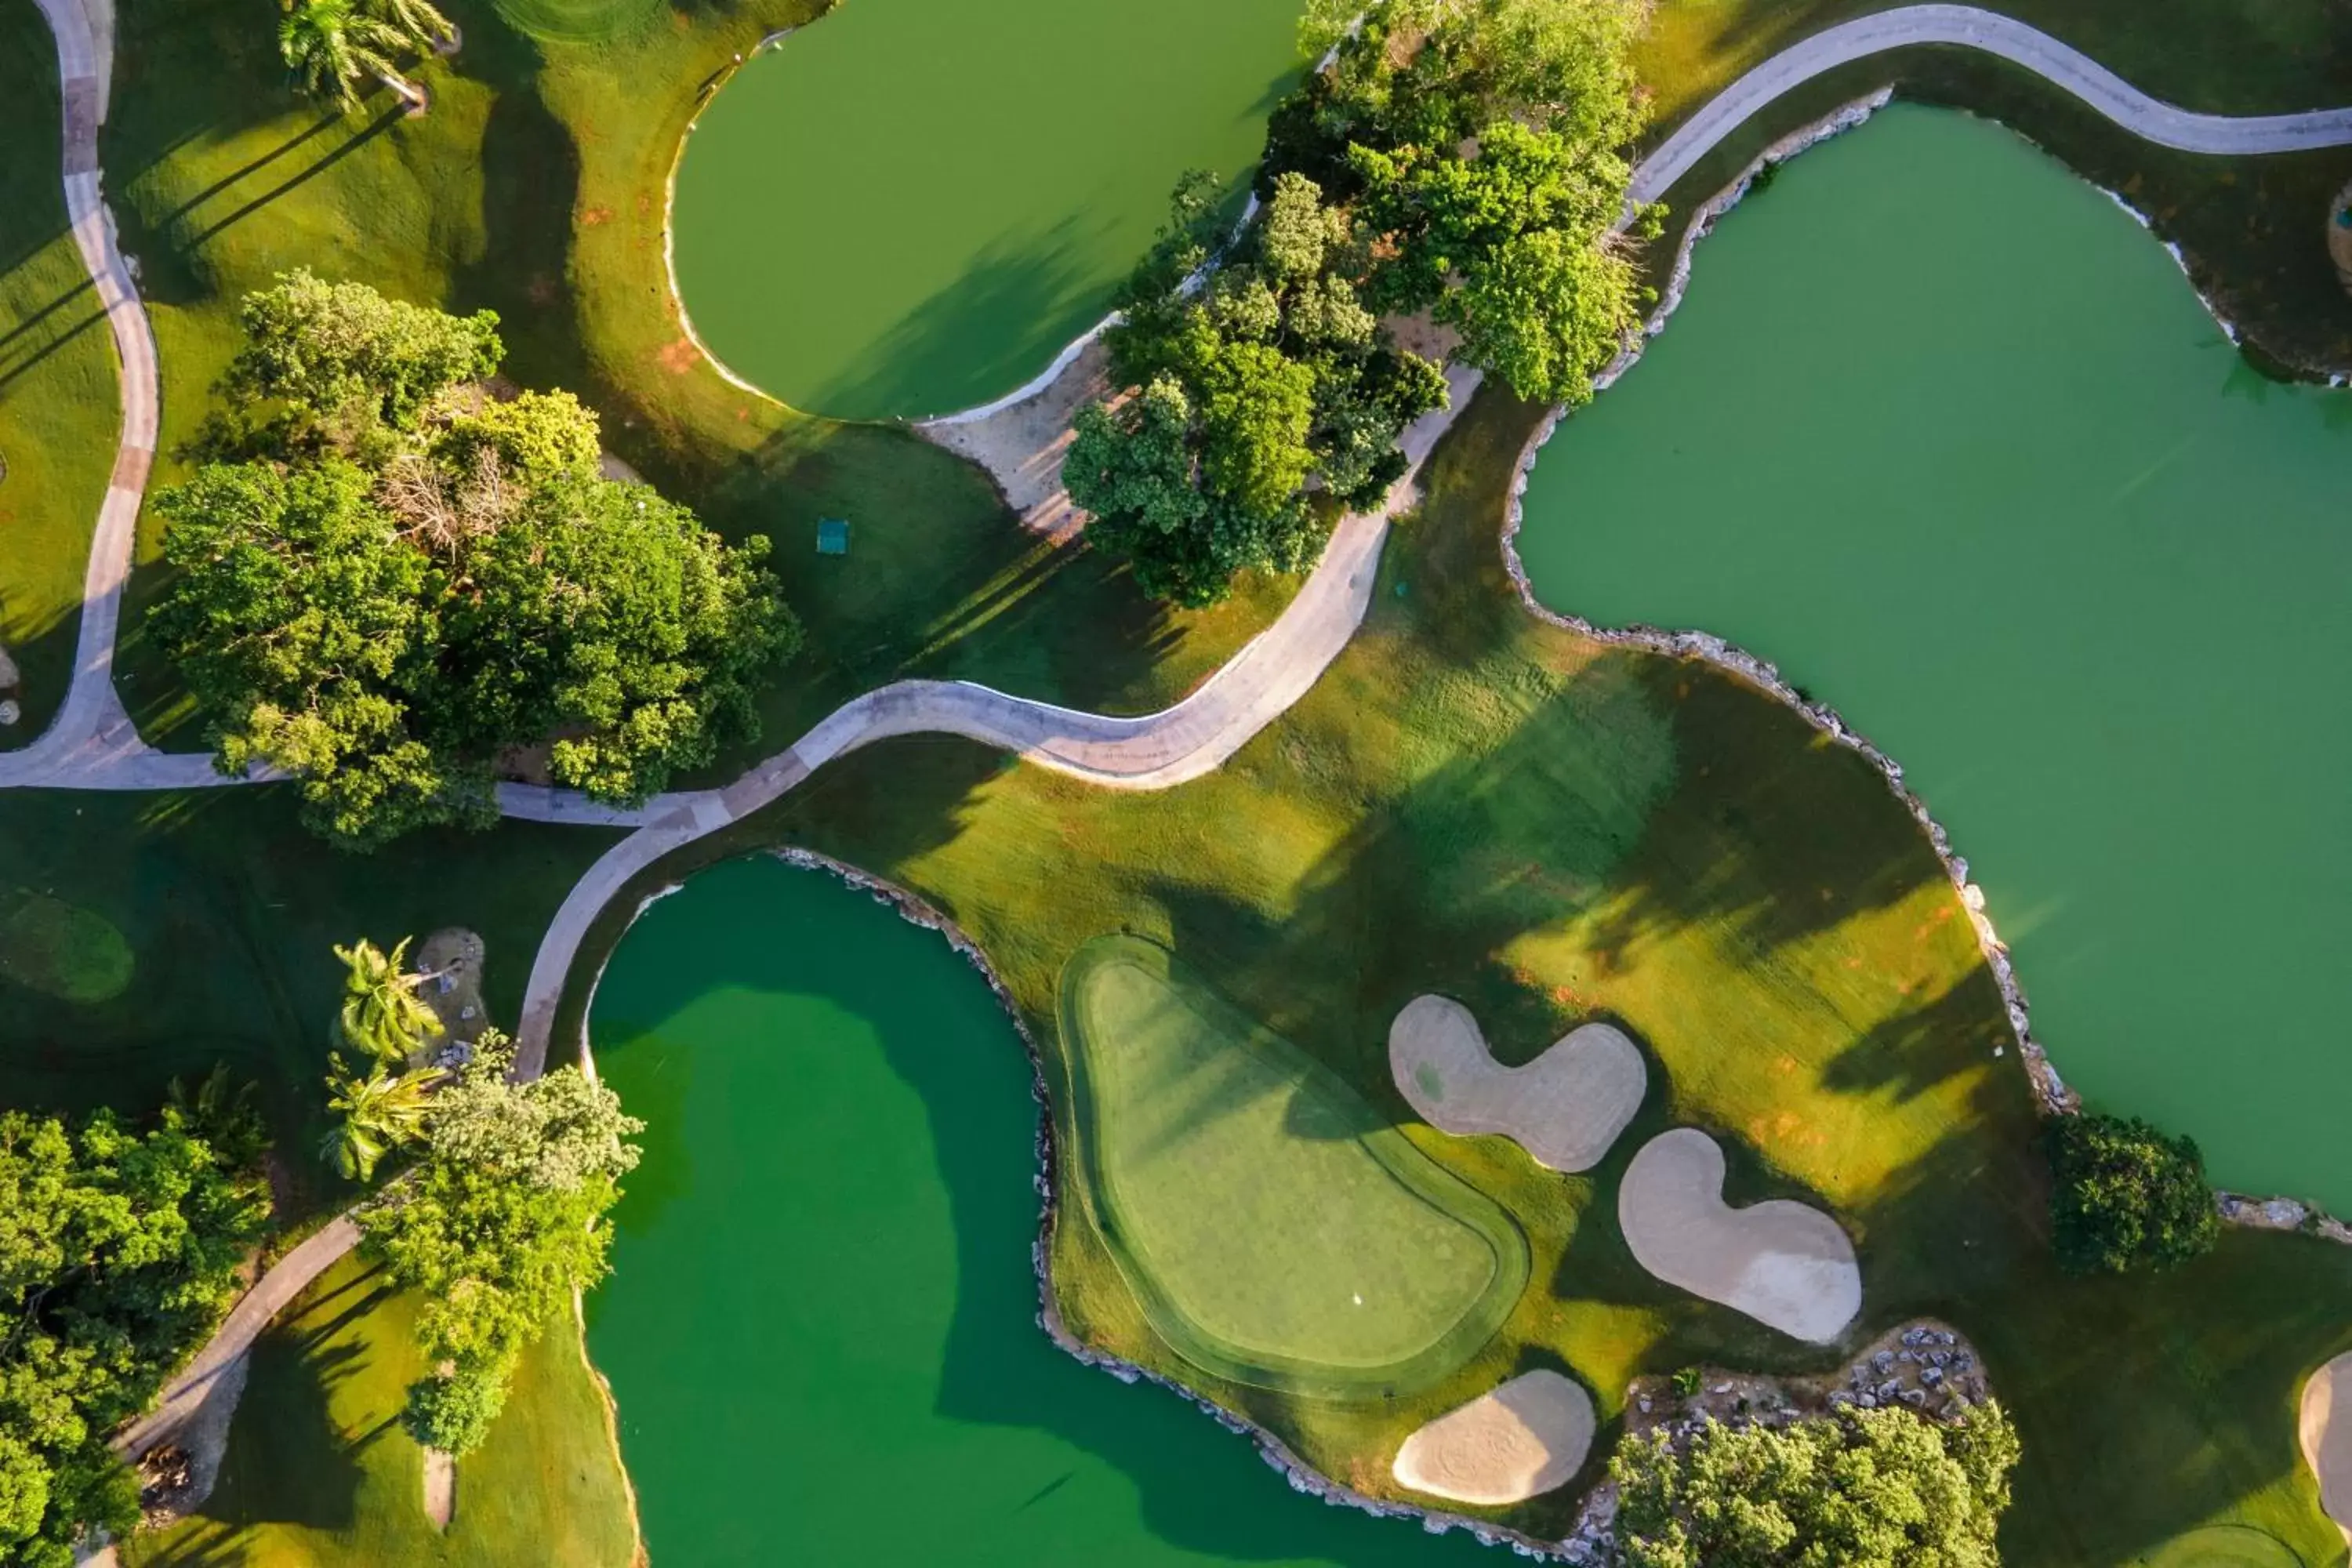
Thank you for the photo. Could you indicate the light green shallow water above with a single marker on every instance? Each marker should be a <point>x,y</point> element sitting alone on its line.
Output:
<point>1947,437</point>
<point>821,1326</point>
<point>909,206</point>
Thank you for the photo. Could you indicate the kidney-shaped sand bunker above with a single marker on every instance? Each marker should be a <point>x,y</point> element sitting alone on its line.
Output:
<point>1565,1108</point>
<point>1509,1444</point>
<point>1787,1266</point>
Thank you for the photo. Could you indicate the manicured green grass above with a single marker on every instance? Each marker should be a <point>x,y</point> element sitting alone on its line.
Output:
<point>2251,229</point>
<point>1550,830</point>
<point>319,1469</point>
<point>1276,1230</point>
<point>59,419</point>
<point>577,21</point>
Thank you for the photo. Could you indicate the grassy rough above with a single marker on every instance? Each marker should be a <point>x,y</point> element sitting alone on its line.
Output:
<point>1553,830</point>
<point>320,1470</point>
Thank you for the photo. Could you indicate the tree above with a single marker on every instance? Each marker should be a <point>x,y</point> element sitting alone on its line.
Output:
<point>388,583</point>
<point>382,1014</point>
<point>119,1251</point>
<point>418,22</point>
<point>504,1219</point>
<point>2124,1196</point>
<point>331,45</point>
<point>1862,1488</point>
<point>375,1115</point>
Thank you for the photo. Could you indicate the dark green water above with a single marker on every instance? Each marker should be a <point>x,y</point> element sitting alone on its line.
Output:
<point>821,1326</point>
<point>911,206</point>
<point>1947,437</point>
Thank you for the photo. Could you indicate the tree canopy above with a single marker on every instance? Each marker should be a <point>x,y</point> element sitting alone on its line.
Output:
<point>1461,159</point>
<point>503,1219</point>
<point>119,1251</point>
<point>2124,1196</point>
<point>387,580</point>
<point>1862,1488</point>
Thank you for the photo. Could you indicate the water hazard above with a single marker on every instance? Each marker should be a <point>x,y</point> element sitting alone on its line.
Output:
<point>909,206</point>
<point>1944,434</point>
<point>821,1327</point>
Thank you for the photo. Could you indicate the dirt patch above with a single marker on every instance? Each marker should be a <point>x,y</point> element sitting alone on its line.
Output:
<point>440,1488</point>
<point>1565,1108</point>
<point>451,959</point>
<point>1023,447</point>
<point>2325,1428</point>
<point>1787,1265</point>
<point>679,357</point>
<point>1522,1439</point>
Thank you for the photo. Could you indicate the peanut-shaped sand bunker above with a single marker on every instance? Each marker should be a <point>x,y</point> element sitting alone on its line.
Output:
<point>1785,1265</point>
<point>2326,1433</point>
<point>1505,1447</point>
<point>1565,1108</point>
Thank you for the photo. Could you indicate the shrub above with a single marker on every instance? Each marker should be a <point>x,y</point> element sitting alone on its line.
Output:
<point>2124,1196</point>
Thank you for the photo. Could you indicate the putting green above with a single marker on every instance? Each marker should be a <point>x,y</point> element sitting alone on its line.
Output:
<point>1275,1231</point>
<point>576,21</point>
<point>2224,1546</point>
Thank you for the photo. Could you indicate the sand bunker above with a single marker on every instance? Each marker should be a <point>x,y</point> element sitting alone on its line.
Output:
<point>2327,1431</point>
<point>1787,1266</point>
<point>1565,1108</point>
<point>1522,1439</point>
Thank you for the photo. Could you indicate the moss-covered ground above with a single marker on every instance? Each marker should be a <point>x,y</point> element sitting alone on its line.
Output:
<point>319,1469</point>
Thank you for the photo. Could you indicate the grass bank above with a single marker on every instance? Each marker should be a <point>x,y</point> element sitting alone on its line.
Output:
<point>1553,830</point>
<point>320,1470</point>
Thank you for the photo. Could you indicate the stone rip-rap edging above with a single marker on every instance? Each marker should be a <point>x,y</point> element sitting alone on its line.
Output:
<point>2056,1097</point>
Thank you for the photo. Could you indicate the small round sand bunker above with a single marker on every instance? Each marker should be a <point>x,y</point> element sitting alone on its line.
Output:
<point>1785,1265</point>
<point>2327,1431</point>
<point>1565,1108</point>
<point>1519,1441</point>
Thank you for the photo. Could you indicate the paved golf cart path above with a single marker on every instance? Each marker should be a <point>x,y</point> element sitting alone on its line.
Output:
<point>93,745</point>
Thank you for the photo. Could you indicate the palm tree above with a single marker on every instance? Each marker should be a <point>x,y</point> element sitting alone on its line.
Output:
<point>383,1014</point>
<point>418,21</point>
<point>379,1113</point>
<point>331,45</point>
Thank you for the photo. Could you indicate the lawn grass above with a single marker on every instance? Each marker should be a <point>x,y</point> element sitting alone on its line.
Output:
<point>1552,830</point>
<point>319,1470</point>
<point>58,409</point>
<point>2251,230</point>
<point>1274,1227</point>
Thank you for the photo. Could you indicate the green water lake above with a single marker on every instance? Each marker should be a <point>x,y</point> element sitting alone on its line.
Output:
<point>821,1328</point>
<point>909,206</point>
<point>1944,435</point>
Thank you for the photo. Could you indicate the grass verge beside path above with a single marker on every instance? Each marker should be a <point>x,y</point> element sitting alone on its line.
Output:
<point>1553,830</point>
<point>536,186</point>
<point>59,412</point>
<point>319,1469</point>
<point>2251,229</point>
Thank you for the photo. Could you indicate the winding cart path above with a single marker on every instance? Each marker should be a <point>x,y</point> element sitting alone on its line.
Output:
<point>93,745</point>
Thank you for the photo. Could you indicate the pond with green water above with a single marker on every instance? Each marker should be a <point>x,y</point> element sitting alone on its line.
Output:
<point>1944,435</point>
<point>821,1328</point>
<point>909,206</point>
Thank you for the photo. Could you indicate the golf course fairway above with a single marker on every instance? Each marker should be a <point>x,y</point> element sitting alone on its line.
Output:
<point>907,208</point>
<point>1273,1228</point>
<point>2017,510</point>
<point>823,1297</point>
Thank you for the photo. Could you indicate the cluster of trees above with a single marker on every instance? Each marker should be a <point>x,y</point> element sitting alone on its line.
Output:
<point>387,579</point>
<point>334,45</point>
<point>2124,1196</point>
<point>501,1216</point>
<point>504,1217</point>
<point>118,1252</point>
<point>1461,158</point>
<point>1862,1488</point>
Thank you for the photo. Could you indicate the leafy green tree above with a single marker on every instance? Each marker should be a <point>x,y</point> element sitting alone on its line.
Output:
<point>419,23</point>
<point>119,1255</point>
<point>374,1115</point>
<point>401,582</point>
<point>2124,1196</point>
<point>1863,1489</point>
<point>331,45</point>
<point>504,1219</point>
<point>382,1014</point>
<point>339,364</point>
